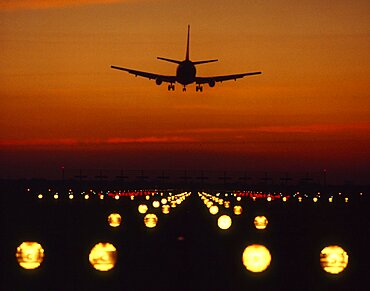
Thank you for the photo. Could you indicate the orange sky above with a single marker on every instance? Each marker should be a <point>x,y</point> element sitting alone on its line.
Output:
<point>311,105</point>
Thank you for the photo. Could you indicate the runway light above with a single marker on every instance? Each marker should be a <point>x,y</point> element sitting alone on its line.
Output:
<point>330,199</point>
<point>103,256</point>
<point>114,219</point>
<point>239,199</point>
<point>269,199</point>
<point>315,199</point>
<point>70,196</point>
<point>224,221</point>
<point>333,259</point>
<point>256,258</point>
<point>238,210</point>
<point>56,196</point>
<point>164,201</point>
<point>40,196</point>
<point>166,209</point>
<point>156,204</point>
<point>260,222</point>
<point>150,220</point>
<point>142,208</point>
<point>30,255</point>
<point>213,209</point>
<point>87,197</point>
<point>116,197</point>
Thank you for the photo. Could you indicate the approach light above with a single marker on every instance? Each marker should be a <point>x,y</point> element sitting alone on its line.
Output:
<point>30,255</point>
<point>238,210</point>
<point>333,259</point>
<point>260,222</point>
<point>224,221</point>
<point>150,220</point>
<point>70,196</point>
<point>256,258</point>
<point>213,209</point>
<point>114,220</point>
<point>56,196</point>
<point>166,209</point>
<point>40,196</point>
<point>142,208</point>
<point>156,204</point>
<point>103,256</point>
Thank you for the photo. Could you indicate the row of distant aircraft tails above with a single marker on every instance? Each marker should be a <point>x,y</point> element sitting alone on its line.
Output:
<point>185,73</point>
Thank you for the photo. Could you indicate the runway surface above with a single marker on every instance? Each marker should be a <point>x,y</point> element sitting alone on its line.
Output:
<point>186,250</point>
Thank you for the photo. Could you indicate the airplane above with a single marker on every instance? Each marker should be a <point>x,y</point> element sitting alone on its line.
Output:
<point>185,73</point>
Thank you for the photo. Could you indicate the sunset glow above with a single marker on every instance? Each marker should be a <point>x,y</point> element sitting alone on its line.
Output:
<point>62,104</point>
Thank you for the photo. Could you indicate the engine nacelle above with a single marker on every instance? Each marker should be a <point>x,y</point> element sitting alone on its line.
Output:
<point>158,81</point>
<point>211,83</point>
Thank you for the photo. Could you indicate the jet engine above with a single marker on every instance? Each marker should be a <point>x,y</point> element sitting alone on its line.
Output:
<point>211,83</point>
<point>158,81</point>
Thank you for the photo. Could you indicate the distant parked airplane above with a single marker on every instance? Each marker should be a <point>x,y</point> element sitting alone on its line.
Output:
<point>185,73</point>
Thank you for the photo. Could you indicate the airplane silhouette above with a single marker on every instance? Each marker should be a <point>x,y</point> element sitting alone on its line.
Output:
<point>185,73</point>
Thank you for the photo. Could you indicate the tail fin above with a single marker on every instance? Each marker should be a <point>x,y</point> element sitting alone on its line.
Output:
<point>187,44</point>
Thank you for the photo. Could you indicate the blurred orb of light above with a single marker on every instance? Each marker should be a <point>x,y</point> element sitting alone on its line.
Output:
<point>114,220</point>
<point>30,255</point>
<point>173,204</point>
<point>116,197</point>
<point>56,196</point>
<point>239,198</point>
<point>209,204</point>
<point>333,259</point>
<point>147,197</point>
<point>142,208</point>
<point>238,210</point>
<point>256,258</point>
<point>260,222</point>
<point>166,209</point>
<point>164,201</point>
<point>315,199</point>
<point>40,196</point>
<point>227,204</point>
<point>103,256</point>
<point>70,196</point>
<point>224,221</point>
<point>150,220</point>
<point>213,209</point>
<point>156,204</point>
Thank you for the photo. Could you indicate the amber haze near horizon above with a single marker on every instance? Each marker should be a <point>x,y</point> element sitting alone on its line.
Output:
<point>62,104</point>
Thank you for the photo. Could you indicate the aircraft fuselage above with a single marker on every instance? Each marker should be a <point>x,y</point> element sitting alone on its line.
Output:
<point>185,73</point>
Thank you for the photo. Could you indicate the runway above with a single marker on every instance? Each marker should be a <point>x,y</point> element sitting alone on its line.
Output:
<point>186,250</point>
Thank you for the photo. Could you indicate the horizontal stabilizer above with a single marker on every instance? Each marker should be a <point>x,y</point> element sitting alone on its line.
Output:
<point>169,60</point>
<point>204,62</point>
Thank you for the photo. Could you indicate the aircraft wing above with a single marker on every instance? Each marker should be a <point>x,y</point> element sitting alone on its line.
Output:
<point>204,80</point>
<point>150,76</point>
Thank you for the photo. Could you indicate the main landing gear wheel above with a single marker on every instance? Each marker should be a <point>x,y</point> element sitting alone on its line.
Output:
<point>199,88</point>
<point>171,87</point>
<point>184,89</point>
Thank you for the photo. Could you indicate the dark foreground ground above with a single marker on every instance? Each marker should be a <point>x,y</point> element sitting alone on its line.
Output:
<point>186,251</point>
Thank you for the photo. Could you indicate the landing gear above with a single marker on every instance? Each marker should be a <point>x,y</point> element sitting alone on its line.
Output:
<point>199,88</point>
<point>184,89</point>
<point>171,87</point>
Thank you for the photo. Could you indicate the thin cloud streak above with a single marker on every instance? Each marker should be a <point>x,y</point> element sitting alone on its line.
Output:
<point>92,142</point>
<point>43,4</point>
<point>312,128</point>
